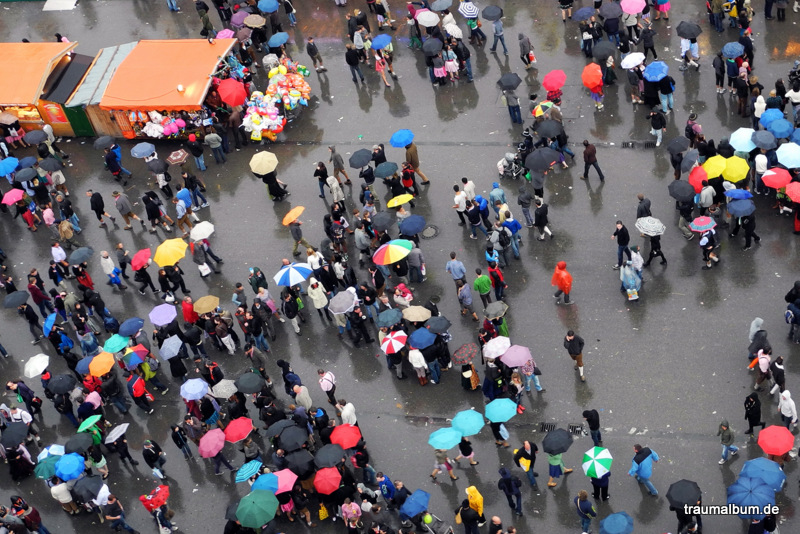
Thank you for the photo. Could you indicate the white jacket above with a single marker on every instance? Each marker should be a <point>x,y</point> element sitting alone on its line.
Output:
<point>787,406</point>
<point>416,359</point>
<point>108,265</point>
<point>318,296</point>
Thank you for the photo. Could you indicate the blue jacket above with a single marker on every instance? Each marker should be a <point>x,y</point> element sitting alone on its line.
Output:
<point>387,488</point>
<point>513,225</point>
<point>585,509</point>
<point>642,464</point>
<point>483,204</point>
<point>497,194</point>
<point>185,195</point>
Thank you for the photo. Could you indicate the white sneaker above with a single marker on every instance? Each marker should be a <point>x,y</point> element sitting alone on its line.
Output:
<point>658,143</point>
<point>721,461</point>
<point>282,320</point>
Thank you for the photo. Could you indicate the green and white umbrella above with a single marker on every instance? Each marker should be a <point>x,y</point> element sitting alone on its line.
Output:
<point>597,462</point>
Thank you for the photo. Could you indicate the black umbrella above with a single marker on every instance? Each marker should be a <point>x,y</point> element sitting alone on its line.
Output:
<point>492,13</point>
<point>432,46</point>
<point>275,429</point>
<point>438,324</point>
<point>383,221</point>
<point>50,164</point>
<point>230,511</point>
<point>157,166</point>
<point>385,169</point>
<point>35,137</point>
<point>549,128</point>
<point>26,174</point>
<point>360,158</point>
<point>80,255</point>
<point>13,435</point>
<point>681,191</point>
<point>104,142</point>
<point>61,384</point>
<point>329,455</point>
<point>764,139</point>
<point>301,463</point>
<point>537,179</point>
<point>557,441</point>
<point>541,159</point>
<point>688,30</point>
<point>604,49</point>
<point>293,438</point>
<point>16,299</point>
<point>88,488</point>
<point>610,10</point>
<point>689,159</point>
<point>250,383</point>
<point>79,443</point>
<point>509,81</point>
<point>677,145</point>
<point>683,492</point>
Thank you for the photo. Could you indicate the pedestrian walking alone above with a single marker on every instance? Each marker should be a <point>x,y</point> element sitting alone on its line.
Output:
<point>590,160</point>
<point>726,439</point>
<point>752,413</point>
<point>585,509</point>
<point>574,345</point>
<point>642,467</point>
<point>510,485</point>
<point>562,280</point>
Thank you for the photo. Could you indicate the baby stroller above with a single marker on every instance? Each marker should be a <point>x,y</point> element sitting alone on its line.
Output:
<point>437,526</point>
<point>510,166</point>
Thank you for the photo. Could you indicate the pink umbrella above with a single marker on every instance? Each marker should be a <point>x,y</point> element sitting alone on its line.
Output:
<point>632,7</point>
<point>226,34</point>
<point>13,196</point>
<point>211,443</point>
<point>238,18</point>
<point>516,356</point>
<point>286,480</point>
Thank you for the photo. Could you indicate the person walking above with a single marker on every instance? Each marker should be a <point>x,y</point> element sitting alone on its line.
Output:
<point>600,487</point>
<point>726,439</point>
<point>98,207</point>
<point>114,512</point>
<point>465,451</point>
<point>642,467</point>
<point>181,440</point>
<point>469,518</point>
<point>562,280</point>
<point>658,125</point>
<point>125,208</point>
<point>512,102</point>
<point>540,219</point>
<point>336,158</point>
<point>27,312</point>
<point>655,251</point>
<point>592,418</point>
<point>752,413</point>
<point>351,57</point>
<point>585,510</point>
<point>155,458</point>
<point>510,485</point>
<point>525,459</point>
<point>456,269</point>
<point>525,50</point>
<point>297,236</point>
<point>313,53</point>
<point>497,28</point>
<point>442,463</point>
<point>460,204</point>
<point>113,165</point>
<point>214,142</point>
<point>111,270</point>
<point>195,148</point>
<point>412,157</point>
<point>590,160</point>
<point>327,382</point>
<point>787,409</point>
<point>623,240</point>
<point>465,300</point>
<point>574,345</point>
<point>498,281</point>
<point>483,286</point>
<point>557,468</point>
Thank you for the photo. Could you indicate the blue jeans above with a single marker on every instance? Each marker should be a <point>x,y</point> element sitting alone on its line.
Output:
<point>515,239</point>
<point>729,449</point>
<point>172,5</point>
<point>499,290</point>
<point>3,351</point>
<point>468,68</point>
<point>436,370</point>
<point>197,193</point>
<point>43,529</point>
<point>347,326</point>
<point>502,39</point>
<point>356,69</point>
<point>615,37</point>
<point>292,19</point>
<point>620,250</point>
<point>480,227</point>
<point>596,437</point>
<point>321,188</point>
<point>46,308</point>
<point>74,220</point>
<point>516,115</point>
<point>532,378</point>
<point>414,274</point>
<point>526,212</point>
<point>517,507</point>
<point>369,312</point>
<point>200,162</point>
<point>647,484</point>
<point>586,523</point>
<point>219,459</point>
<point>219,154</point>
<point>666,99</point>
<point>718,22</point>
<point>72,419</point>
<point>531,476</point>
<point>261,342</point>
<point>119,523</point>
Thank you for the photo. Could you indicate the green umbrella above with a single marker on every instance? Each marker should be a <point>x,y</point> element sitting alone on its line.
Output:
<point>88,423</point>
<point>46,468</point>
<point>257,509</point>
<point>115,343</point>
<point>597,462</point>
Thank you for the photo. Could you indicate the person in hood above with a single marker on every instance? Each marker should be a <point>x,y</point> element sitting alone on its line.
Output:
<point>338,165</point>
<point>787,409</point>
<point>642,467</point>
<point>510,486</point>
<point>752,413</point>
<point>593,420</point>
<point>764,359</point>
<point>524,199</point>
<point>778,375</point>
<point>562,280</point>
<point>525,49</point>
<point>726,439</point>
<point>496,194</point>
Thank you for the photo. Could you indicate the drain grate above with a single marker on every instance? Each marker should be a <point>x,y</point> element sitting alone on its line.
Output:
<point>576,430</point>
<point>650,144</point>
<point>429,232</point>
<point>547,427</point>
<point>628,144</point>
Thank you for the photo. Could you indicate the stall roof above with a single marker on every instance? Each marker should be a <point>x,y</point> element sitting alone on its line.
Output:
<point>100,73</point>
<point>66,77</point>
<point>149,77</point>
<point>30,65</point>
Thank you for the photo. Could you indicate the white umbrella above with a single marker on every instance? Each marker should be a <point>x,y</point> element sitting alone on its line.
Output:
<point>429,19</point>
<point>36,365</point>
<point>171,347</point>
<point>632,60</point>
<point>224,389</point>
<point>201,230</point>
<point>454,31</point>
<point>116,433</point>
<point>496,347</point>
<point>650,226</point>
<point>342,302</point>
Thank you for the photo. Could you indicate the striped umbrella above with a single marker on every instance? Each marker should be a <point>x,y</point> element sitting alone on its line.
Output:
<point>701,224</point>
<point>393,251</point>
<point>596,462</point>
<point>469,10</point>
<point>291,275</point>
<point>394,342</point>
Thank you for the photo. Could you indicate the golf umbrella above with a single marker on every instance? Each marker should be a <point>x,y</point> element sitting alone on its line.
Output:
<point>26,163</point>
<point>346,435</point>
<point>496,347</point>
<point>468,9</point>
<point>392,252</point>
<point>508,81</point>
<point>171,251</point>
<point>681,191</point>
<point>549,128</point>
<point>402,138</point>
<point>381,41</point>
<point>142,150</point>
<point>454,31</point>
<point>500,410</point>
<point>416,503</point>
<point>238,429</point>
<point>201,230</point>
<point>603,50</point>
<point>70,466</point>
<point>715,166</point>
<point>342,302</point>
<point>696,177</point>
<point>385,169</point>
<point>438,325</point>
<point>789,155</point>
<point>130,326</point>
<point>293,438</point>
<point>742,139</point>
<point>751,492</point>
<point>468,422</point>
<point>35,137</point>
<point>389,317</point>
<point>689,160</point>
<point>211,443</point>
<point>46,468</point>
<point>421,338</point>
<point>82,367</point>
<point>268,6</point>
<point>382,221</point>
<point>141,259</point>
<point>732,50</point>
<point>793,191</point>
<point>36,365</point>
<point>610,10</point>
<point>650,226</point>
<point>557,441</point>
<point>247,470</point>
<point>257,508</point>
<point>300,463</point>
<point>14,434</point>
<point>776,440</point>
<point>554,80</point>
<point>444,438</point>
<point>89,422</point>
<point>278,39</point>
<point>688,30</point>
<point>394,342</point>
<point>266,481</point>
<point>761,139</point>
<point>592,76</point>
<point>329,455</point>
<point>206,304</point>
<point>655,71</point>
<point>194,389</point>
<point>492,13</point>
<point>156,498</point>
<point>541,159</point>
<point>776,178</point>
<point>293,274</point>
<point>263,162</point>
<point>702,224</point>
<point>684,493</point>
<point>741,208</point>
<point>293,215</point>
<point>252,21</point>
<point>101,364</point>
<point>618,523</point>
<point>596,462</point>
<point>465,354</point>
<point>632,60</point>
<point>61,384</point>
<point>88,488</point>
<point>427,18</point>
<point>432,46</point>
<point>250,383</point>
<point>132,360</point>
<point>769,116</point>
<point>516,356</point>
<point>157,166</point>
<point>274,430</point>
<point>584,13</point>
<point>411,225</point>
<point>16,299</point>
<point>360,158</point>
<point>171,347</point>
<point>115,343</point>
<point>80,255</point>
<point>781,128</point>
<point>399,200</point>
<point>178,157</point>
<point>679,144</point>
<point>765,469</point>
<point>496,309</point>
<point>50,164</point>
<point>416,314</point>
<point>105,141</point>
<point>13,196</point>
<point>79,443</point>
<point>116,433</point>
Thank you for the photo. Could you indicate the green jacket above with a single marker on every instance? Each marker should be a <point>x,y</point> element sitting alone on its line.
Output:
<point>726,434</point>
<point>482,284</point>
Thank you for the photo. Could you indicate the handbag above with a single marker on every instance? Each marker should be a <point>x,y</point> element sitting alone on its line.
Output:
<point>323,512</point>
<point>300,304</point>
<point>503,431</point>
<point>532,56</point>
<point>458,517</point>
<point>537,371</point>
<point>204,269</point>
<point>169,298</point>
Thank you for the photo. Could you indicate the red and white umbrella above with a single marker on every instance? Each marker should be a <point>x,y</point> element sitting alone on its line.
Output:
<point>394,342</point>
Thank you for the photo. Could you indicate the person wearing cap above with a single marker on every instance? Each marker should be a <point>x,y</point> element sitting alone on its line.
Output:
<point>125,208</point>
<point>155,458</point>
<point>195,148</point>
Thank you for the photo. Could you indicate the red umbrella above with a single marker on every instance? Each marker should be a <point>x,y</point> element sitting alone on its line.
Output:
<point>696,177</point>
<point>592,76</point>
<point>347,436</point>
<point>13,196</point>
<point>776,178</point>
<point>238,429</point>
<point>327,480</point>
<point>156,498</point>
<point>793,191</point>
<point>232,92</point>
<point>776,440</point>
<point>554,80</point>
<point>140,259</point>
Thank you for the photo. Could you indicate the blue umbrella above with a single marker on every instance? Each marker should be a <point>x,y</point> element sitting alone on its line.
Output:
<point>468,422</point>
<point>444,438</point>
<point>416,503</point>
<point>584,13</point>
<point>278,39</point>
<point>733,50</point>
<point>742,140</point>
<point>412,224</point>
<point>385,169</point>
<point>770,115</point>
<point>70,466</point>
<point>619,523</point>
<point>247,470</point>
<point>795,138</point>
<point>83,365</point>
<point>381,41</point>
<point>8,165</point>
<point>738,194</point>
<point>26,163</point>
<point>291,275</point>
<point>267,481</point>
<point>763,139</point>
<point>171,347</point>
<point>268,6</point>
<point>767,470</point>
<point>194,389</point>
<point>501,410</point>
<point>48,323</point>
<point>142,150</point>
<point>401,138</point>
<point>655,71</point>
<point>789,155</point>
<point>389,317</point>
<point>421,338</point>
<point>130,326</point>
<point>741,208</point>
<point>780,128</point>
<point>746,492</point>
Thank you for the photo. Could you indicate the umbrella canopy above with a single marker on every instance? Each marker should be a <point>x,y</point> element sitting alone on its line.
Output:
<point>385,169</point>
<point>88,488</point>
<point>143,150</point>
<point>130,326</point>
<point>381,41</point>
<point>46,468</point>
<point>79,443</point>
<point>250,383</point>
<point>230,510</point>
<point>549,128</point>
<point>416,503</point>
<point>767,470</point>
<point>650,226</point>
<point>342,302</point>
<point>399,200</point>
<point>427,18</point>
<point>252,21</point>
<point>554,80</point>
<point>557,441</point>
<point>101,364</point>
<point>596,462</point>
<point>701,224</point>
<point>492,13</point>
<point>14,434</point>
<point>48,324</point>
<point>141,259</point>
<point>162,314</point>
<point>327,480</point>
<point>201,230</point>
<point>542,108</point>
<point>171,347</point>
<point>684,493</point>
<point>732,50</point>
<point>432,46</point>
<point>267,481</point>
<point>89,422</point>
<point>508,81</point>
<point>500,410</point>
<point>211,443</point>
<point>751,492</point>
<point>468,422</point>
<point>274,430</point>
<point>715,166</point>
<point>80,255</point>
<point>170,252</point>
<point>411,225</point>
<point>70,466</point>
<point>603,50</point>
<point>26,163</point>
<point>496,309</point>
<point>178,157</point>
<point>83,365</point>
<point>465,354</point>
<point>441,5</point>
<point>742,139</point>
<point>247,470</point>
<point>26,173</point>
<point>681,191</point>
<point>402,138</point>
<point>238,429</point>
<point>741,208</point>
<point>293,215</point>
<point>258,508</point>
<point>8,165</point>
<point>50,164</point>
<point>382,221</point>
<point>762,139</point>
<point>769,116</point>
<point>16,299</point>
<point>206,304</point>
<point>52,450</point>
<point>293,438</point>
<point>286,480</point>
<point>454,31</point>
<point>389,317</point>
<point>345,435</point>
<point>360,158</point>
<point>194,389</point>
<point>115,343</point>
<point>263,162</point>
<point>438,325</point>
<point>394,342</point>
<point>156,498</point>
<point>793,191</point>
<point>689,160</point>
<point>688,30</point>
<point>541,159</point>
<point>158,166</point>
<point>776,178</point>
<point>516,356</point>
<point>103,142</point>
<point>36,365</point>
<point>34,137</point>
<point>116,433</point>
<point>416,314</point>
<point>61,384</point>
<point>392,252</point>
<point>496,347</point>
<point>300,462</point>
<point>738,194</point>
<point>781,128</point>
<point>632,60</point>
<point>592,76</point>
<point>618,523</point>
<point>268,6</point>
<point>679,144</point>
<point>775,440</point>
<point>468,9</point>
<point>292,275</point>
<point>278,39</point>
<point>584,13</point>
<point>655,71</point>
<point>13,196</point>
<point>421,338</point>
<point>789,155</point>
<point>610,10</point>
<point>329,455</point>
<point>696,177</point>
<point>445,438</point>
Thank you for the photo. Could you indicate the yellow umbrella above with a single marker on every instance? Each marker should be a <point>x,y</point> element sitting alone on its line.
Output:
<point>206,304</point>
<point>293,215</point>
<point>263,162</point>
<point>736,169</point>
<point>170,252</point>
<point>714,166</point>
<point>399,200</point>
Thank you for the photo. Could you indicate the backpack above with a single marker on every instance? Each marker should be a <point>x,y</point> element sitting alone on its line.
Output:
<point>689,131</point>
<point>503,238</point>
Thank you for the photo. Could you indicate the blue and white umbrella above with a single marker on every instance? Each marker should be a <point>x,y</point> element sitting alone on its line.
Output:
<point>789,155</point>
<point>143,150</point>
<point>291,275</point>
<point>52,450</point>
<point>194,389</point>
<point>742,139</point>
<point>171,347</point>
<point>247,470</point>
<point>469,10</point>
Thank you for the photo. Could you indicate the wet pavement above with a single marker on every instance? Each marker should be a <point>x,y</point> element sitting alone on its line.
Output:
<point>662,372</point>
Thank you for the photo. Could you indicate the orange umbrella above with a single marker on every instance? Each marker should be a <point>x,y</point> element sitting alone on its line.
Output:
<point>592,76</point>
<point>293,215</point>
<point>101,364</point>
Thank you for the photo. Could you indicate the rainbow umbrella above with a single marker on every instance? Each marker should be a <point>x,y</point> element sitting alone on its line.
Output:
<point>542,108</point>
<point>393,251</point>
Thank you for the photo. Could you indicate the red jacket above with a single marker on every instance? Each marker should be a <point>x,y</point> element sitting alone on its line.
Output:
<point>189,315</point>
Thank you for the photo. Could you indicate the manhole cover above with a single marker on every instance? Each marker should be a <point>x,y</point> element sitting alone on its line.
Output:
<point>547,427</point>
<point>576,429</point>
<point>649,144</point>
<point>429,232</point>
<point>628,144</point>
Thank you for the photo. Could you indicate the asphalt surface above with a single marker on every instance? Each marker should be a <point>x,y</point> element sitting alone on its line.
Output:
<point>662,372</point>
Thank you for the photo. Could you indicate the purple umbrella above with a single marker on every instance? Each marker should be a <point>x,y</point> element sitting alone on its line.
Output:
<point>516,356</point>
<point>163,314</point>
